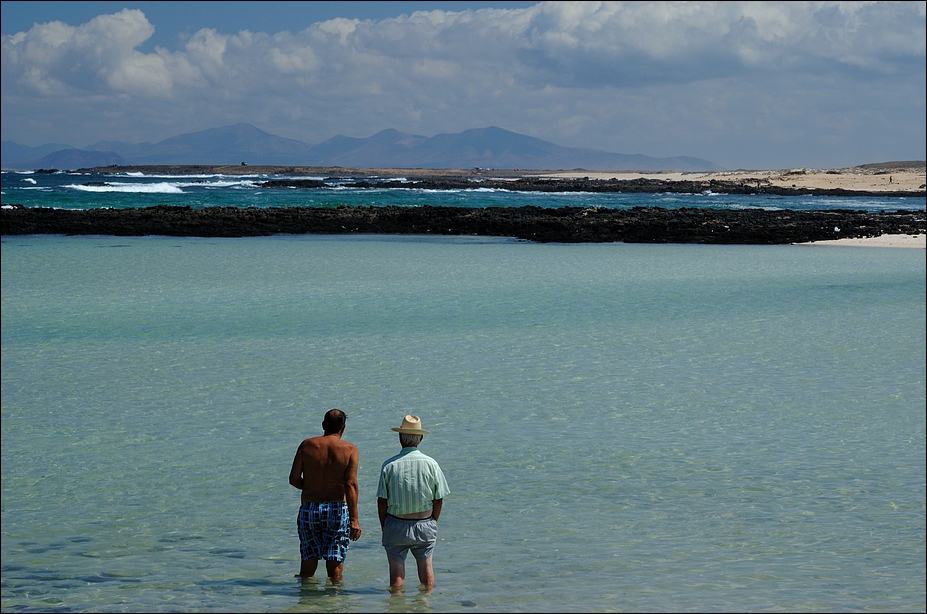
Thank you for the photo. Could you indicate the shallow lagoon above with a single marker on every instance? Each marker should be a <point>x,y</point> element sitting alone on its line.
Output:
<point>624,427</point>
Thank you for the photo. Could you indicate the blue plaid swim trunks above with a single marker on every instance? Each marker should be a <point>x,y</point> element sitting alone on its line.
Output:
<point>324,530</point>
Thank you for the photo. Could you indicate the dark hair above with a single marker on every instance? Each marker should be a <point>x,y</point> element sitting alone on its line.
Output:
<point>333,421</point>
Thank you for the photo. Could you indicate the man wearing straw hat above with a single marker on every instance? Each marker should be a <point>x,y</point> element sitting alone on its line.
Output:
<point>409,499</point>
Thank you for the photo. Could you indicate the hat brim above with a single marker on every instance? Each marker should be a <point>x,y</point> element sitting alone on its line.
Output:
<point>410,431</point>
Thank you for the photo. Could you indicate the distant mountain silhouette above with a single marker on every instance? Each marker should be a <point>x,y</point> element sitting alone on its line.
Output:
<point>12,152</point>
<point>490,147</point>
<point>74,158</point>
<point>386,149</point>
<point>226,145</point>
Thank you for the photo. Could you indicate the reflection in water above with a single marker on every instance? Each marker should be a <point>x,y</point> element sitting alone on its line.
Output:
<point>398,601</point>
<point>316,595</point>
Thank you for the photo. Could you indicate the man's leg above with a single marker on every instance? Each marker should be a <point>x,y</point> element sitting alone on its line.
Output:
<point>397,572</point>
<point>306,531</point>
<point>307,568</point>
<point>426,574</point>
<point>335,569</point>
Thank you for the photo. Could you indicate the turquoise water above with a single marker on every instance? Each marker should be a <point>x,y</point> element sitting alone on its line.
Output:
<point>121,190</point>
<point>623,427</point>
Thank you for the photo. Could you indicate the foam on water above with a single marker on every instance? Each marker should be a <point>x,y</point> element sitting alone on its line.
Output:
<point>129,188</point>
<point>186,176</point>
<point>206,190</point>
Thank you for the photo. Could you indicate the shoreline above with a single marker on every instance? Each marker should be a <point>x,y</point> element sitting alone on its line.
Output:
<point>889,179</point>
<point>883,179</point>
<point>903,241</point>
<point>569,224</point>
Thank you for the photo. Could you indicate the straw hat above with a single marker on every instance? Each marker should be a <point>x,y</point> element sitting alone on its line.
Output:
<point>411,425</point>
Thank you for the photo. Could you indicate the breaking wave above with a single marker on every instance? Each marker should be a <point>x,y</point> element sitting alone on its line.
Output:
<point>141,188</point>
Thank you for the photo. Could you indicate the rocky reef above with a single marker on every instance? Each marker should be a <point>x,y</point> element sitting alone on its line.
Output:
<point>566,225</point>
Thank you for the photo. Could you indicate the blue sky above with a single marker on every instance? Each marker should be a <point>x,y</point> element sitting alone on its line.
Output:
<point>744,84</point>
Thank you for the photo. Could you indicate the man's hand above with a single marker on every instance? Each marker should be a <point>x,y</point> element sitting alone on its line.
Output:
<point>355,530</point>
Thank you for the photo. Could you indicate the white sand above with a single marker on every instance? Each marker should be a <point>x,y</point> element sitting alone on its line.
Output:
<point>907,180</point>
<point>917,241</point>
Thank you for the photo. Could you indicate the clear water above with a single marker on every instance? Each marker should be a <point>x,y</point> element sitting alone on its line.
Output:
<point>623,427</point>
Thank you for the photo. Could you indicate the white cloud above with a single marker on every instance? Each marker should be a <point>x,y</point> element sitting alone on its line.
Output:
<point>143,75</point>
<point>587,72</point>
<point>58,59</point>
<point>626,42</point>
<point>667,42</point>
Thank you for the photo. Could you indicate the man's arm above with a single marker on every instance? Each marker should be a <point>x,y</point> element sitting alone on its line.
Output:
<point>351,494</point>
<point>296,472</point>
<point>381,510</point>
<point>436,507</point>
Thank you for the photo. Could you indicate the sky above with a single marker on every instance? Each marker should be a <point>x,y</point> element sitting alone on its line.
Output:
<point>752,85</point>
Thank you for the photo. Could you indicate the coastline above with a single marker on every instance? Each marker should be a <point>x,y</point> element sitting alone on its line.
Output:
<point>884,178</point>
<point>901,228</point>
<point>902,179</point>
<point>918,241</point>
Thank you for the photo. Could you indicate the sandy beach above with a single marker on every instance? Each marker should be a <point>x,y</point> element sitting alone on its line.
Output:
<point>915,241</point>
<point>883,177</point>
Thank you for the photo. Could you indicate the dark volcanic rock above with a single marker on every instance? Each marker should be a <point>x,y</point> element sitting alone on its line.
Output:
<point>294,183</point>
<point>567,225</point>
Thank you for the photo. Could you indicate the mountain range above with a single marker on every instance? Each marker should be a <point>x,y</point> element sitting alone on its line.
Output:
<point>490,147</point>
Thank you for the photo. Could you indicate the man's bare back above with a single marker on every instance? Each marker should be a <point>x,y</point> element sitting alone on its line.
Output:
<point>325,469</point>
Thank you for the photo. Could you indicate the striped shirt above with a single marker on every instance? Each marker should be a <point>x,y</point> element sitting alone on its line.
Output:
<point>410,481</point>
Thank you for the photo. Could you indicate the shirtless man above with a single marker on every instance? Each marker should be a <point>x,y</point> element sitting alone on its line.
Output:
<point>325,470</point>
